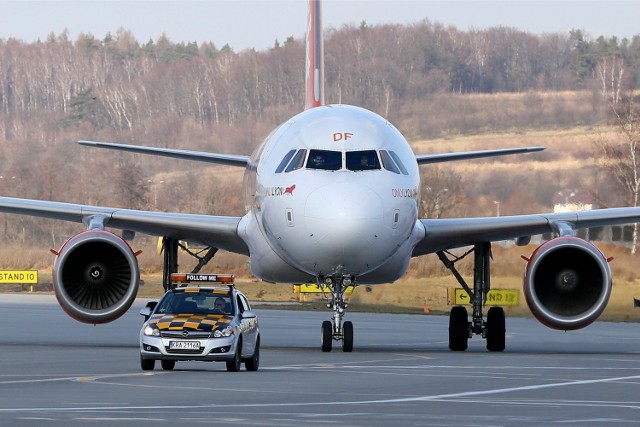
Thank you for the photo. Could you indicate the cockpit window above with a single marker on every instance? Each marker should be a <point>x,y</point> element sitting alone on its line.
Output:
<point>297,161</point>
<point>362,160</point>
<point>325,160</point>
<point>399,163</point>
<point>388,163</point>
<point>285,161</point>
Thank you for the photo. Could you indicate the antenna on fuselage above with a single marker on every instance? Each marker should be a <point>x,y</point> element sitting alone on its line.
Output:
<point>314,70</point>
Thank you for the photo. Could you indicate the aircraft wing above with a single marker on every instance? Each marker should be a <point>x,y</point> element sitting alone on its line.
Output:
<point>218,231</point>
<point>424,159</point>
<point>441,234</point>
<point>222,159</point>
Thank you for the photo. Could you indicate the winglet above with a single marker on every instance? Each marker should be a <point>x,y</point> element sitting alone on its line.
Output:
<point>314,76</point>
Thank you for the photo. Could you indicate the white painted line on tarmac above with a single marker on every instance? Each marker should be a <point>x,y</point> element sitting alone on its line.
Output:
<point>437,397</point>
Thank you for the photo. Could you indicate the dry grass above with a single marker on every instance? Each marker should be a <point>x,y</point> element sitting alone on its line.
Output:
<point>412,294</point>
<point>565,150</point>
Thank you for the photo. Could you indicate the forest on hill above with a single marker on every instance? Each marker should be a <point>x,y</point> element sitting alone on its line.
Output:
<point>431,81</point>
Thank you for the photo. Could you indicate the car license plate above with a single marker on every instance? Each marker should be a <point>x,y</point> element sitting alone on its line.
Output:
<point>184,345</point>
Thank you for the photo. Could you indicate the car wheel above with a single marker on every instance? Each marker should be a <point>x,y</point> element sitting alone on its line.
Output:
<point>168,365</point>
<point>234,365</point>
<point>253,363</point>
<point>147,364</point>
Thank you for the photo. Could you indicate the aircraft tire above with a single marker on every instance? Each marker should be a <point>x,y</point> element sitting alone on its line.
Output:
<point>496,329</point>
<point>326,336</point>
<point>347,338</point>
<point>458,329</point>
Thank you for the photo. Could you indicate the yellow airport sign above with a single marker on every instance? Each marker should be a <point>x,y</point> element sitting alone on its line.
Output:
<point>19,276</point>
<point>311,288</point>
<point>500,297</point>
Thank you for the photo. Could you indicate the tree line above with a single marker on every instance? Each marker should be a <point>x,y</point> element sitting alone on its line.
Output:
<point>427,78</point>
<point>121,84</point>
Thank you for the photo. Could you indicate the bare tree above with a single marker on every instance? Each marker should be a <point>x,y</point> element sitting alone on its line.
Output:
<point>442,192</point>
<point>610,74</point>
<point>621,157</point>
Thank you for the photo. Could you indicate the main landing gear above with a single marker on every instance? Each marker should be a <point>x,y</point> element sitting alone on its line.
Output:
<point>460,329</point>
<point>335,329</point>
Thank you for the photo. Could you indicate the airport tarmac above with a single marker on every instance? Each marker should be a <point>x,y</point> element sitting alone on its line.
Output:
<point>55,371</point>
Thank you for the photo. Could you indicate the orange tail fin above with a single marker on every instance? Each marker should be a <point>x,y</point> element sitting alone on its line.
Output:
<point>314,78</point>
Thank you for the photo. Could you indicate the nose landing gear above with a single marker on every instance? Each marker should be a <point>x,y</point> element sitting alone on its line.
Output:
<point>335,329</point>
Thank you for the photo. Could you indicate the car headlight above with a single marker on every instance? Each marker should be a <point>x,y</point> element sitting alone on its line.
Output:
<point>151,331</point>
<point>223,332</point>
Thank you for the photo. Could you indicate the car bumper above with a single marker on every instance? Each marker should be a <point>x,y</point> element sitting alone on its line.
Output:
<point>211,349</point>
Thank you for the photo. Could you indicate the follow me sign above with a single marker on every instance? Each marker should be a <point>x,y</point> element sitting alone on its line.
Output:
<point>19,276</point>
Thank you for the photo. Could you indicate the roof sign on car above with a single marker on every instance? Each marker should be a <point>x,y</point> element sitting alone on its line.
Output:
<point>202,278</point>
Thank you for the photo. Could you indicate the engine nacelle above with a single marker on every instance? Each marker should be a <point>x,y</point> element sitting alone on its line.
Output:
<point>96,277</point>
<point>567,283</point>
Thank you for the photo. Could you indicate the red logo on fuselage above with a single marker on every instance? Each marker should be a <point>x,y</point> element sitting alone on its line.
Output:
<point>340,136</point>
<point>279,191</point>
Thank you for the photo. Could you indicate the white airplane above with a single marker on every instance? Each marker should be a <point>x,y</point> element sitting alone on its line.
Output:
<point>333,196</point>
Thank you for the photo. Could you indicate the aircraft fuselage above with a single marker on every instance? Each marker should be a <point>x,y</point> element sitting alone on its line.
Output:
<point>334,191</point>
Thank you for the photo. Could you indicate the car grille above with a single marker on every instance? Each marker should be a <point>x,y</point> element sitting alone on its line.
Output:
<point>193,335</point>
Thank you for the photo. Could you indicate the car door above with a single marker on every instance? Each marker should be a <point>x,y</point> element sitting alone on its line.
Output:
<point>248,326</point>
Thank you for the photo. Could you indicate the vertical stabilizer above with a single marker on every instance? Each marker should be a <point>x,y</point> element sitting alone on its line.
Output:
<point>314,77</point>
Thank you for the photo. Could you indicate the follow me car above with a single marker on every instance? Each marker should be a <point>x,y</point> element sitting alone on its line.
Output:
<point>211,324</point>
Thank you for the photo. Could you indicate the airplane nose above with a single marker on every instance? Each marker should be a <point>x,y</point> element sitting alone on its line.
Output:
<point>344,202</point>
<point>344,222</point>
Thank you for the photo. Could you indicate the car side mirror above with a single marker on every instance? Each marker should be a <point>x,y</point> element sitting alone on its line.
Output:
<point>248,314</point>
<point>148,309</point>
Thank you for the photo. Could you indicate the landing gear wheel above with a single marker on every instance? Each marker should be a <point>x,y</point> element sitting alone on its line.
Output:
<point>496,329</point>
<point>347,338</point>
<point>235,364</point>
<point>458,329</point>
<point>253,363</point>
<point>147,364</point>
<point>168,365</point>
<point>326,337</point>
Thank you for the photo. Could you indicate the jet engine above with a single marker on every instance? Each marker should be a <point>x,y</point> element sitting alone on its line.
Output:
<point>95,276</point>
<point>567,283</point>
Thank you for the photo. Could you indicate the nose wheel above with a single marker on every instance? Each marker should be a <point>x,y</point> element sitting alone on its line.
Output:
<point>335,329</point>
<point>328,335</point>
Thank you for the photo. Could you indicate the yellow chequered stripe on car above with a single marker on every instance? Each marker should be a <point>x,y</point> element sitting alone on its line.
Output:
<point>190,321</point>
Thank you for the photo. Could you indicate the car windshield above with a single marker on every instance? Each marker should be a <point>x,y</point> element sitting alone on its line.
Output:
<point>195,303</point>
